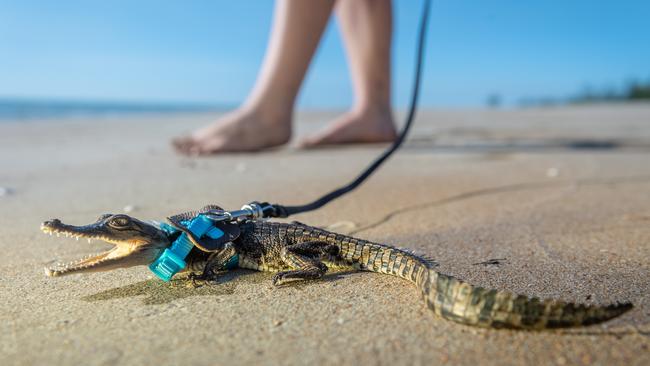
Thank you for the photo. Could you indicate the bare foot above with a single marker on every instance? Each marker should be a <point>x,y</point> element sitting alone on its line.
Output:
<point>238,131</point>
<point>367,126</point>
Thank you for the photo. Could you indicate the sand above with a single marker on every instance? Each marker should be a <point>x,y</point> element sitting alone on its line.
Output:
<point>561,197</point>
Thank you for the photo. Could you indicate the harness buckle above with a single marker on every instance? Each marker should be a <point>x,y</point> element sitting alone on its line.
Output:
<point>172,260</point>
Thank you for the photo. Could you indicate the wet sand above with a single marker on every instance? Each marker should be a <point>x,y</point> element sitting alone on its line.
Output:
<point>544,202</point>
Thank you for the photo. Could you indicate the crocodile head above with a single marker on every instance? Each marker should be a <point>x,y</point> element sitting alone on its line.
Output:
<point>134,243</point>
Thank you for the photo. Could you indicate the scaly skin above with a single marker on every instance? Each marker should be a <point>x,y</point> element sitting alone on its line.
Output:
<point>300,252</point>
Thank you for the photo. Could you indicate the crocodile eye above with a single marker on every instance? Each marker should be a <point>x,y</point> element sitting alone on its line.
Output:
<point>119,221</point>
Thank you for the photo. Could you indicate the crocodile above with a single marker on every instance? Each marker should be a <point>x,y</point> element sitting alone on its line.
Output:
<point>295,251</point>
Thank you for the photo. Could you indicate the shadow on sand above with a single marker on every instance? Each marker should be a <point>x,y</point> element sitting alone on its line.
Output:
<point>526,145</point>
<point>158,292</point>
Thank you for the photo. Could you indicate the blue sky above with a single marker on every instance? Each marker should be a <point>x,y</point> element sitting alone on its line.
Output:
<point>209,51</point>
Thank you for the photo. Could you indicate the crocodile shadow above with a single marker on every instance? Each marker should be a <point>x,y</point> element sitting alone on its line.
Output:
<point>331,276</point>
<point>159,292</point>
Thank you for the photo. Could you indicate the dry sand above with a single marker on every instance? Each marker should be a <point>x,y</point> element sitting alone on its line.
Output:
<point>565,221</point>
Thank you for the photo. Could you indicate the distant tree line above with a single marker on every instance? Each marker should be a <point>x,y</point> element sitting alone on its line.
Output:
<point>634,90</point>
<point>639,91</point>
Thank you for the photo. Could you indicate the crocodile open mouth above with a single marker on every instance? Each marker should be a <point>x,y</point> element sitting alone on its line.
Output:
<point>129,248</point>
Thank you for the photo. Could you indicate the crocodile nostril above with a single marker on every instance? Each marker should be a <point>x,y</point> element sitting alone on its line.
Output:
<point>51,222</point>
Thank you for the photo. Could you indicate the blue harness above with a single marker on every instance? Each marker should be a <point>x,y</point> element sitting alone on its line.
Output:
<point>172,260</point>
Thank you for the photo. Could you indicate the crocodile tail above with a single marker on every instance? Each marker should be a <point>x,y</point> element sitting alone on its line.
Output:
<point>461,302</point>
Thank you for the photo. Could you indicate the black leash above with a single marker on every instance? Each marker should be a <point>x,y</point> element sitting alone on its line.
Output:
<point>277,210</point>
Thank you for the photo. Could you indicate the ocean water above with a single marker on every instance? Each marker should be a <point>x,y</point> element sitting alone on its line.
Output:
<point>26,110</point>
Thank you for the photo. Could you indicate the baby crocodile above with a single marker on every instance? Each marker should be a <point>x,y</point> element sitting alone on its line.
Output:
<point>300,252</point>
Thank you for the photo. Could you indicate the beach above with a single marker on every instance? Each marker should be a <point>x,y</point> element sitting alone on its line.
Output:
<point>547,202</point>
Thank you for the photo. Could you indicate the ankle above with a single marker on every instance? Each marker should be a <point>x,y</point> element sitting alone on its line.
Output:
<point>270,115</point>
<point>382,111</point>
<point>372,106</point>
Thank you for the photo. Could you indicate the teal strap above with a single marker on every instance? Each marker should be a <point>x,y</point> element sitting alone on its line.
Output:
<point>172,260</point>
<point>233,262</point>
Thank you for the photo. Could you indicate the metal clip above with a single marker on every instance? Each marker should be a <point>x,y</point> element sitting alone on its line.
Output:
<point>255,209</point>
<point>218,215</point>
<point>252,210</point>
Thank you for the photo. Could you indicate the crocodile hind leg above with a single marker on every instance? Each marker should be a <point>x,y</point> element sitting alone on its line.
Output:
<point>314,249</point>
<point>305,259</point>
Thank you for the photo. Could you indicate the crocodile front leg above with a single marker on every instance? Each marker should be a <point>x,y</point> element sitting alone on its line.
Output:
<point>216,262</point>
